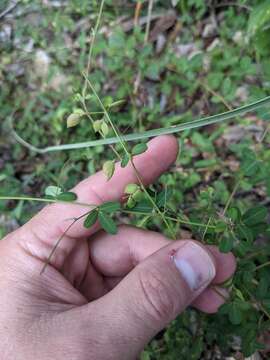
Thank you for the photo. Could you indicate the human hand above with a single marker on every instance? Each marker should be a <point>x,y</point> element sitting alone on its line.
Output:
<point>101,296</point>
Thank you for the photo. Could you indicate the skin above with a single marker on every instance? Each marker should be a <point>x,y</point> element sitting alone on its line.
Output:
<point>101,296</point>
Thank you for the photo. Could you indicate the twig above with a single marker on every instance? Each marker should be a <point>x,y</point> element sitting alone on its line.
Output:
<point>149,15</point>
<point>92,46</point>
<point>137,12</point>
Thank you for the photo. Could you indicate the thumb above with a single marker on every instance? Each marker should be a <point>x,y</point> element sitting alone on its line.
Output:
<point>155,292</point>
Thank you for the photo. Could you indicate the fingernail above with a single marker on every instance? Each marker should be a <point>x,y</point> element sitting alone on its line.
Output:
<point>195,265</point>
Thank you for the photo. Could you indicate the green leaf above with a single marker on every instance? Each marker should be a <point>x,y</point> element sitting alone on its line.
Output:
<point>125,160</point>
<point>108,169</point>
<point>235,313</point>
<point>244,232</point>
<point>53,191</point>
<point>67,196</point>
<point>143,206</point>
<point>220,226</point>
<point>250,164</point>
<point>139,149</point>
<point>97,125</point>
<point>226,244</point>
<point>138,195</point>
<point>234,213</point>
<point>259,16</point>
<point>107,223</point>
<point>91,219</point>
<point>255,215</point>
<point>131,188</point>
<point>163,197</point>
<point>104,128</point>
<point>110,206</point>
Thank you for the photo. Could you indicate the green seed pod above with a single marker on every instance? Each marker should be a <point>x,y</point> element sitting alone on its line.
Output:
<point>97,125</point>
<point>131,188</point>
<point>104,128</point>
<point>108,169</point>
<point>131,202</point>
<point>73,120</point>
<point>137,196</point>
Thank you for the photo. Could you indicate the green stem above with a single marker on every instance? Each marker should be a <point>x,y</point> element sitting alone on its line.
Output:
<point>92,46</point>
<point>168,218</point>
<point>262,266</point>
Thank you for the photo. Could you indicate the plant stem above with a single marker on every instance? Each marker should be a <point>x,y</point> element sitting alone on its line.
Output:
<point>149,14</point>
<point>168,218</point>
<point>60,239</point>
<point>262,266</point>
<point>92,46</point>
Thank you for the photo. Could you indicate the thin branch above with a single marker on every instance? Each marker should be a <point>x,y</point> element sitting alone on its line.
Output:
<point>60,239</point>
<point>149,15</point>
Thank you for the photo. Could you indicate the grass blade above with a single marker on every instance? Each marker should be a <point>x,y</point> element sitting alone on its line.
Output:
<point>156,132</point>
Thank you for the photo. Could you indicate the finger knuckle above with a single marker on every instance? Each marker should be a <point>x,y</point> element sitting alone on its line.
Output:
<point>158,301</point>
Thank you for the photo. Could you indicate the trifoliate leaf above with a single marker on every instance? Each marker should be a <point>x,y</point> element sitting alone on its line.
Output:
<point>107,223</point>
<point>91,219</point>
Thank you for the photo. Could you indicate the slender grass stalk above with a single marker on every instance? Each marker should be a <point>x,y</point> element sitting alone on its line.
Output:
<point>29,198</point>
<point>152,133</point>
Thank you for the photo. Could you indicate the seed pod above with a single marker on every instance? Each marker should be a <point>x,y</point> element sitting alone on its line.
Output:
<point>131,188</point>
<point>104,128</point>
<point>97,125</point>
<point>137,196</point>
<point>108,169</point>
<point>73,120</point>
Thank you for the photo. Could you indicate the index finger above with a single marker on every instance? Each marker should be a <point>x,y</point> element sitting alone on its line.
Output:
<point>52,221</point>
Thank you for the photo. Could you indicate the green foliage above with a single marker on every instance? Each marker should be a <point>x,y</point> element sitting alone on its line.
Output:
<point>259,27</point>
<point>91,219</point>
<point>216,188</point>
